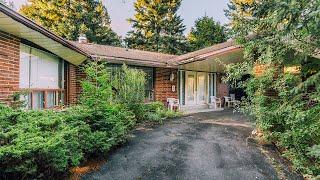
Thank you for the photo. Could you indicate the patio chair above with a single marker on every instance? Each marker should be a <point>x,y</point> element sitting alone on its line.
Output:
<point>173,102</point>
<point>227,101</point>
<point>215,102</point>
<point>233,97</point>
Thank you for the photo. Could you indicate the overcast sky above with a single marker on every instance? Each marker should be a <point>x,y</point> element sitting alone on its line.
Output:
<point>121,10</point>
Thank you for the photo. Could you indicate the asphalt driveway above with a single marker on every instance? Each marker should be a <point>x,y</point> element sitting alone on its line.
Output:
<point>200,146</point>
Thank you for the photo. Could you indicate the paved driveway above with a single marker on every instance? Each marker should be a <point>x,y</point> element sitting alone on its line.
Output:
<point>201,146</point>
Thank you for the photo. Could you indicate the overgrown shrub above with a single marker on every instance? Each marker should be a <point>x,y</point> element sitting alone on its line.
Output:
<point>157,112</point>
<point>38,141</point>
<point>130,87</point>
<point>49,142</point>
<point>282,37</point>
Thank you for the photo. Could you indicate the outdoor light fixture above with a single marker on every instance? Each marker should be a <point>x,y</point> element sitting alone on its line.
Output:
<point>173,88</point>
<point>172,76</point>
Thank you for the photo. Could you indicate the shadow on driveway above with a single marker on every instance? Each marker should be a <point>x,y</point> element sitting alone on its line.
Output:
<point>200,146</point>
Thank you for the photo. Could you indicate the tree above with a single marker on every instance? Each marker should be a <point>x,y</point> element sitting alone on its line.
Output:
<point>279,34</point>
<point>206,32</point>
<point>157,27</point>
<point>7,3</point>
<point>70,18</point>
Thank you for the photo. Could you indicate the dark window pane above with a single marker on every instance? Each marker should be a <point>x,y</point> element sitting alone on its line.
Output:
<point>51,99</point>
<point>38,100</point>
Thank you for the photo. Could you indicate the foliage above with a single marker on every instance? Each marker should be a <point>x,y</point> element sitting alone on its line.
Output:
<point>129,84</point>
<point>50,142</point>
<point>70,18</point>
<point>285,104</point>
<point>7,3</point>
<point>206,32</point>
<point>37,141</point>
<point>96,87</point>
<point>157,112</point>
<point>157,27</point>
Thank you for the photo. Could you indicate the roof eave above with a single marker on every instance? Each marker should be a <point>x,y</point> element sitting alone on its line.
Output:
<point>33,26</point>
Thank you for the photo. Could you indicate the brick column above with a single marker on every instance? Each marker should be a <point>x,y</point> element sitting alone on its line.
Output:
<point>222,88</point>
<point>163,85</point>
<point>9,66</point>
<point>71,85</point>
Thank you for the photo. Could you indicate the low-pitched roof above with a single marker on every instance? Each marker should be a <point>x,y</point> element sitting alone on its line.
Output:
<point>202,54</point>
<point>20,26</point>
<point>123,55</point>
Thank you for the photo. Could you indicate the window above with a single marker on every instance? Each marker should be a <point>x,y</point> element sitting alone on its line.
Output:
<point>149,87</point>
<point>41,75</point>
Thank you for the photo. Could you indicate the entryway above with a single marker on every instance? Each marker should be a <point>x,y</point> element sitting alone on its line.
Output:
<point>196,88</point>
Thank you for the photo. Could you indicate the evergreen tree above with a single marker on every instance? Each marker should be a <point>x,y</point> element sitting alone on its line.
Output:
<point>205,33</point>
<point>70,18</point>
<point>283,37</point>
<point>157,27</point>
<point>7,3</point>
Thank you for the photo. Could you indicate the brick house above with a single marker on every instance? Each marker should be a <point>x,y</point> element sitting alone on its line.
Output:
<point>47,67</point>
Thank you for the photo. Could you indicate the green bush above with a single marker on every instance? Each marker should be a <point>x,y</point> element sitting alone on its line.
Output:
<point>50,142</point>
<point>38,142</point>
<point>157,112</point>
<point>290,118</point>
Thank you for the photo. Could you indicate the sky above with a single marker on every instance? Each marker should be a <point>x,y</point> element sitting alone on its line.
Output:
<point>190,10</point>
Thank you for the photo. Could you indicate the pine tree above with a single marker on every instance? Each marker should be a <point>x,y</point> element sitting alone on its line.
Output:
<point>7,3</point>
<point>70,18</point>
<point>157,27</point>
<point>206,32</point>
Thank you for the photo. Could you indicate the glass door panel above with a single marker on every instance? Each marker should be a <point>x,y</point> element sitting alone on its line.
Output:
<point>191,87</point>
<point>201,88</point>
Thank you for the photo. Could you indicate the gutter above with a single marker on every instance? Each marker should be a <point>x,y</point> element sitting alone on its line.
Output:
<point>135,61</point>
<point>208,54</point>
<point>32,25</point>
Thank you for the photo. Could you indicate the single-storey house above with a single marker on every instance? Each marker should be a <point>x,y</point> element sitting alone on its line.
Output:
<point>48,67</point>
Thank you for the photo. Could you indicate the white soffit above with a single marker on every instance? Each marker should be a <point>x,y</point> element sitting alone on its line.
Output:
<point>9,25</point>
<point>214,62</point>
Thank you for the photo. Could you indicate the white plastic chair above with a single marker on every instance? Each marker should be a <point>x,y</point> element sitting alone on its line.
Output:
<point>215,102</point>
<point>173,102</point>
<point>233,97</point>
<point>227,101</point>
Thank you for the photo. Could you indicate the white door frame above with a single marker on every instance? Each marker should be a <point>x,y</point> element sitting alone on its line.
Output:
<point>196,99</point>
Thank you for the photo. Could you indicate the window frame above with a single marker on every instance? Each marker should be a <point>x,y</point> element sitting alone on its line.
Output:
<point>60,92</point>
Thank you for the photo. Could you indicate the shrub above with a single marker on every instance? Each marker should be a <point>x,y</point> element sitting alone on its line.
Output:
<point>38,142</point>
<point>157,112</point>
<point>50,142</point>
<point>130,87</point>
<point>290,118</point>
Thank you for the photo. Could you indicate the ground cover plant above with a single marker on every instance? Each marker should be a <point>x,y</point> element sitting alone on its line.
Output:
<point>281,53</point>
<point>36,144</point>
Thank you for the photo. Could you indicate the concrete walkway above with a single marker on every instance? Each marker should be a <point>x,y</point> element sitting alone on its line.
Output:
<point>201,146</point>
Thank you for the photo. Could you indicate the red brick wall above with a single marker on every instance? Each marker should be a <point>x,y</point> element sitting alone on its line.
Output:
<point>163,85</point>
<point>80,76</point>
<point>222,88</point>
<point>73,85</point>
<point>9,66</point>
<point>259,69</point>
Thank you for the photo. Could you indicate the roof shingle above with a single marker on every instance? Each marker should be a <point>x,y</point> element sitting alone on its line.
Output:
<point>124,55</point>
